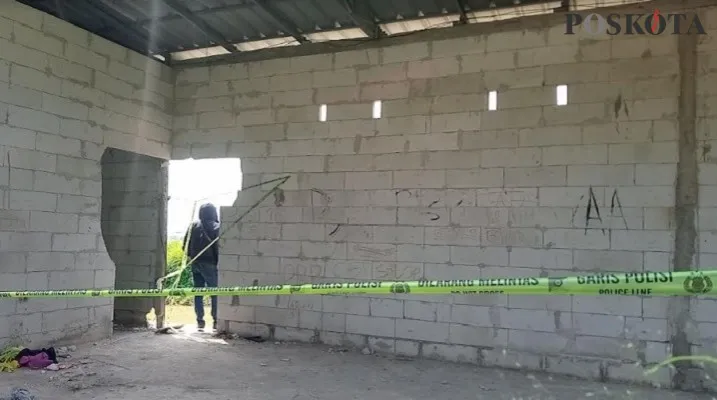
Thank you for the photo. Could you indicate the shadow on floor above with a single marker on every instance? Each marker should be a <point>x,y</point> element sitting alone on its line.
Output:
<point>192,365</point>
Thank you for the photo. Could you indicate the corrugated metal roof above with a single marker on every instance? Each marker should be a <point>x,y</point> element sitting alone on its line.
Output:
<point>186,29</point>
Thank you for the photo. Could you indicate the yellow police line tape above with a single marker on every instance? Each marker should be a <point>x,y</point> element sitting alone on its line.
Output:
<point>620,284</point>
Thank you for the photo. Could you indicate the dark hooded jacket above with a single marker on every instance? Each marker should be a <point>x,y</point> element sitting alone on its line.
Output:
<point>201,233</point>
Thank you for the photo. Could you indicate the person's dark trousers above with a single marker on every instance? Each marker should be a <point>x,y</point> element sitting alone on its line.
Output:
<point>205,275</point>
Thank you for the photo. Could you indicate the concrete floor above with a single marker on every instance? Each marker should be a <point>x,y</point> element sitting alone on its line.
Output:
<point>191,365</point>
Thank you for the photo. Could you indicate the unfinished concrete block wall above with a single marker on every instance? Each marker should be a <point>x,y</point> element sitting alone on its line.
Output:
<point>134,193</point>
<point>703,314</point>
<point>65,95</point>
<point>441,188</point>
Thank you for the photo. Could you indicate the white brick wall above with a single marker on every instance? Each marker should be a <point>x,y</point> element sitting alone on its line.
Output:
<point>65,96</point>
<point>441,188</point>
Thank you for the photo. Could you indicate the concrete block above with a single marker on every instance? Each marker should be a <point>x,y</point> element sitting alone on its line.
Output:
<point>594,260</point>
<point>192,75</point>
<point>511,237</point>
<point>346,59</point>
<point>311,63</point>
<point>85,94</point>
<point>535,320</point>
<point>456,122</point>
<point>383,73</point>
<point>541,56</point>
<point>382,307</point>
<point>427,311</point>
<point>228,72</point>
<point>405,52</point>
<point>113,86</point>
<point>642,240</point>
<point>372,252</point>
<point>64,69</point>
<point>350,128</point>
<point>22,241</point>
<point>565,74</point>
<point>622,132</point>
<point>397,271</point>
<point>33,120</point>
<point>481,178</point>
<point>520,197</point>
<point>511,359</point>
<point>349,270</point>
<point>401,107</point>
<point>474,255</point>
<point>452,353</point>
<point>644,153</point>
<point>521,157</point>
<point>452,236</point>
<point>368,180</point>
<point>276,316</point>
<point>432,142</point>
<point>600,175</point>
<point>80,54</point>
<point>576,239</point>
<point>323,250</point>
<point>333,322</point>
<point>30,159</point>
<point>493,61</point>
<point>371,215</point>
<point>419,179</point>
<point>64,107</point>
<point>489,139</point>
<point>334,78</point>
<point>536,176</point>
<point>422,253</point>
<point>374,326</point>
<point>514,78</point>
<point>538,302</point>
<point>350,163</point>
<point>537,342</point>
<point>479,216</point>
<point>22,56</point>
<point>575,155</point>
<point>78,318</point>
<point>74,242</point>
<point>423,216</point>
<point>644,196</point>
<point>422,330</point>
<point>465,83</point>
<point>338,95</point>
<point>53,222</point>
<point>384,91</point>
<point>29,200</point>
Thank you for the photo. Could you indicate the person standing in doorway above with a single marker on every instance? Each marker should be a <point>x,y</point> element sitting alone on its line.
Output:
<point>202,248</point>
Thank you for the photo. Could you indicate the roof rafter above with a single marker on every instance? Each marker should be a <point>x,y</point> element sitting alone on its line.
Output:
<point>119,22</point>
<point>281,22</point>
<point>202,25</point>
<point>362,15</point>
<point>462,10</point>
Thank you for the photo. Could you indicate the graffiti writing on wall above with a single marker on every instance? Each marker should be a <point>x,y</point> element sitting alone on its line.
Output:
<point>594,217</point>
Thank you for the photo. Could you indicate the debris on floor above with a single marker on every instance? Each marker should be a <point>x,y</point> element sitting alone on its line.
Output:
<point>37,359</point>
<point>169,330</point>
<point>8,362</point>
<point>19,394</point>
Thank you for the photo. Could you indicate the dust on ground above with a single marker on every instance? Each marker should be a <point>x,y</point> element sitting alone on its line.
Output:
<point>192,365</point>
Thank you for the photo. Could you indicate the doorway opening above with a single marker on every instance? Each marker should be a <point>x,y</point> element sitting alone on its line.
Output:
<point>133,219</point>
<point>191,184</point>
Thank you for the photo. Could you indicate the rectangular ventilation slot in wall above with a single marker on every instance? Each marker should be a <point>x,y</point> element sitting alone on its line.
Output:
<point>561,93</point>
<point>492,100</point>
<point>377,109</point>
<point>323,112</point>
